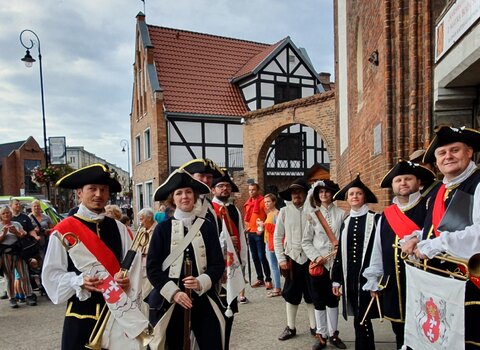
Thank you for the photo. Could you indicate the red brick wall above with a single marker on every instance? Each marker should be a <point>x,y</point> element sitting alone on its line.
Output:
<point>397,94</point>
<point>12,170</point>
<point>264,125</point>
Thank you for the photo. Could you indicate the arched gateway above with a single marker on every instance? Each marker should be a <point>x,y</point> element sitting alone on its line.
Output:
<point>263,127</point>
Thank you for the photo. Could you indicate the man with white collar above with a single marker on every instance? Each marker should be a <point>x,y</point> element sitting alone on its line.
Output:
<point>386,271</point>
<point>453,149</point>
<point>222,188</point>
<point>292,260</point>
<point>107,240</point>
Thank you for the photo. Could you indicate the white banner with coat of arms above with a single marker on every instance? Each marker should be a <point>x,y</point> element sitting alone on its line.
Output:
<point>435,311</point>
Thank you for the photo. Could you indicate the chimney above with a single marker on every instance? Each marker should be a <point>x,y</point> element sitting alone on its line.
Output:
<point>324,77</point>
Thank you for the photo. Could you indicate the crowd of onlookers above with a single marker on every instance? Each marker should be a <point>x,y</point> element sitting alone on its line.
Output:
<point>23,242</point>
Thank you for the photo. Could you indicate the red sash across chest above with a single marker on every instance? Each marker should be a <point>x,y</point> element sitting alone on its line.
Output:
<point>399,222</point>
<point>222,213</point>
<point>91,241</point>
<point>438,209</point>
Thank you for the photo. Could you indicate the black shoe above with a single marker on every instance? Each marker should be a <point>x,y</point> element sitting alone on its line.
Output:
<point>31,300</point>
<point>4,296</point>
<point>320,343</point>
<point>13,303</point>
<point>313,331</point>
<point>336,341</point>
<point>287,334</point>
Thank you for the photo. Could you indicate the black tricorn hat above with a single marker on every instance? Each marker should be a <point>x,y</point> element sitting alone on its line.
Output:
<point>445,135</point>
<point>225,178</point>
<point>94,174</point>
<point>369,196</point>
<point>404,167</point>
<point>202,166</point>
<point>179,179</point>
<point>298,183</point>
<point>326,184</point>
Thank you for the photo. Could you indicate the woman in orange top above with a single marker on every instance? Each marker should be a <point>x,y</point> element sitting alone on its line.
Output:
<point>270,201</point>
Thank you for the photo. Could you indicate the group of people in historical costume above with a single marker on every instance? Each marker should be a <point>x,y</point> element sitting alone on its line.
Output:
<point>323,253</point>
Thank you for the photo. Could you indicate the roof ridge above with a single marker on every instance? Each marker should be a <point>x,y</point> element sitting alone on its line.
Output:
<point>210,35</point>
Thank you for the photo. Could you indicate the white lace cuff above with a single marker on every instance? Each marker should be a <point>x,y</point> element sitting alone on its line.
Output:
<point>415,234</point>
<point>430,247</point>
<point>205,283</point>
<point>77,283</point>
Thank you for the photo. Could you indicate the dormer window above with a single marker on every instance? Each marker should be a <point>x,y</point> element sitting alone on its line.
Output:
<point>287,92</point>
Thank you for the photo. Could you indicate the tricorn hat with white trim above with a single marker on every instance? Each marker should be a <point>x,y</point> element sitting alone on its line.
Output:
<point>94,174</point>
<point>445,135</point>
<point>404,167</point>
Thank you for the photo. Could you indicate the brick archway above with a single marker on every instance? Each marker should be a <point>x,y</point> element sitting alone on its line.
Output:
<point>263,126</point>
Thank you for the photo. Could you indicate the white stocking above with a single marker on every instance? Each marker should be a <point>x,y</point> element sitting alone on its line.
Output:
<point>291,315</point>
<point>321,318</point>
<point>311,316</point>
<point>332,318</point>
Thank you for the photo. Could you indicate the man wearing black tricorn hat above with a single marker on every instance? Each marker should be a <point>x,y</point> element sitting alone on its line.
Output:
<point>386,272</point>
<point>204,170</point>
<point>230,223</point>
<point>452,149</point>
<point>102,241</point>
<point>292,260</point>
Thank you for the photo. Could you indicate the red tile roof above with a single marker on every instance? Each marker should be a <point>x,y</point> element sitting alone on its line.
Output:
<point>250,66</point>
<point>195,70</point>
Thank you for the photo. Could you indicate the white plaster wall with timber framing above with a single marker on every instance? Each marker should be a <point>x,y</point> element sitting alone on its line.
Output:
<point>209,137</point>
<point>285,78</point>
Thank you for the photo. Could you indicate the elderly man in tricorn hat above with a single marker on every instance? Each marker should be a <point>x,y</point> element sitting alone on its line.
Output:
<point>452,149</point>
<point>83,260</point>
<point>292,259</point>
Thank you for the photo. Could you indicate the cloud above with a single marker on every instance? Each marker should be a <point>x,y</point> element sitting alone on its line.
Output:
<point>88,52</point>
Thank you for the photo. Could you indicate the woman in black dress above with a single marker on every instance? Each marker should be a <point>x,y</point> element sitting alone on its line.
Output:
<point>185,237</point>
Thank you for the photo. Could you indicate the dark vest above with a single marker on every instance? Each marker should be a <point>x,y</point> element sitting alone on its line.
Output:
<point>394,266</point>
<point>110,235</point>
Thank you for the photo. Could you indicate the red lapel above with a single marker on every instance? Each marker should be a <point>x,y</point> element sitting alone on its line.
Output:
<point>438,208</point>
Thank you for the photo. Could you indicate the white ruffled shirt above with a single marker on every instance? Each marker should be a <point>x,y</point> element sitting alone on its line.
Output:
<point>61,284</point>
<point>463,243</point>
<point>374,271</point>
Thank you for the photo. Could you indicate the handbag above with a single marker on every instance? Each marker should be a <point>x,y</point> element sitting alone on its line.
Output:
<point>315,269</point>
<point>27,247</point>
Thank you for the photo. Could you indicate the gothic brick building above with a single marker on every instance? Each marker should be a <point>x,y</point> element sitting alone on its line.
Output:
<point>402,67</point>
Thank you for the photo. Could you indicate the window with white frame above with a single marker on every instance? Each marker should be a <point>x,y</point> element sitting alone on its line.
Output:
<point>138,150</point>
<point>148,194</point>
<point>139,196</point>
<point>147,152</point>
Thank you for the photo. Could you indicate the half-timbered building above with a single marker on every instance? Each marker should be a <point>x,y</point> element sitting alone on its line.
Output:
<point>191,94</point>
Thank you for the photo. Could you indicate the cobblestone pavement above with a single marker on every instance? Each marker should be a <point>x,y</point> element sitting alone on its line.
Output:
<point>257,326</point>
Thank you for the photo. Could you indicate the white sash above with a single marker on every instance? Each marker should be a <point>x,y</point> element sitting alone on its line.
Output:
<point>125,310</point>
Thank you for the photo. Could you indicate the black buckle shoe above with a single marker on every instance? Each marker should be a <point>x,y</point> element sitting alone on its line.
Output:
<point>336,341</point>
<point>287,334</point>
<point>321,342</point>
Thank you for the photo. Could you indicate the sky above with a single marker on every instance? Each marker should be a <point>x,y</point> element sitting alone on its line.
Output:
<point>88,48</point>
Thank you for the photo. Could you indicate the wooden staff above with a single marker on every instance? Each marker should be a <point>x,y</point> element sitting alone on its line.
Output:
<point>187,313</point>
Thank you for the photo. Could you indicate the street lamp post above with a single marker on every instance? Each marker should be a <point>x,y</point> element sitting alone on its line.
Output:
<point>124,144</point>
<point>29,60</point>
